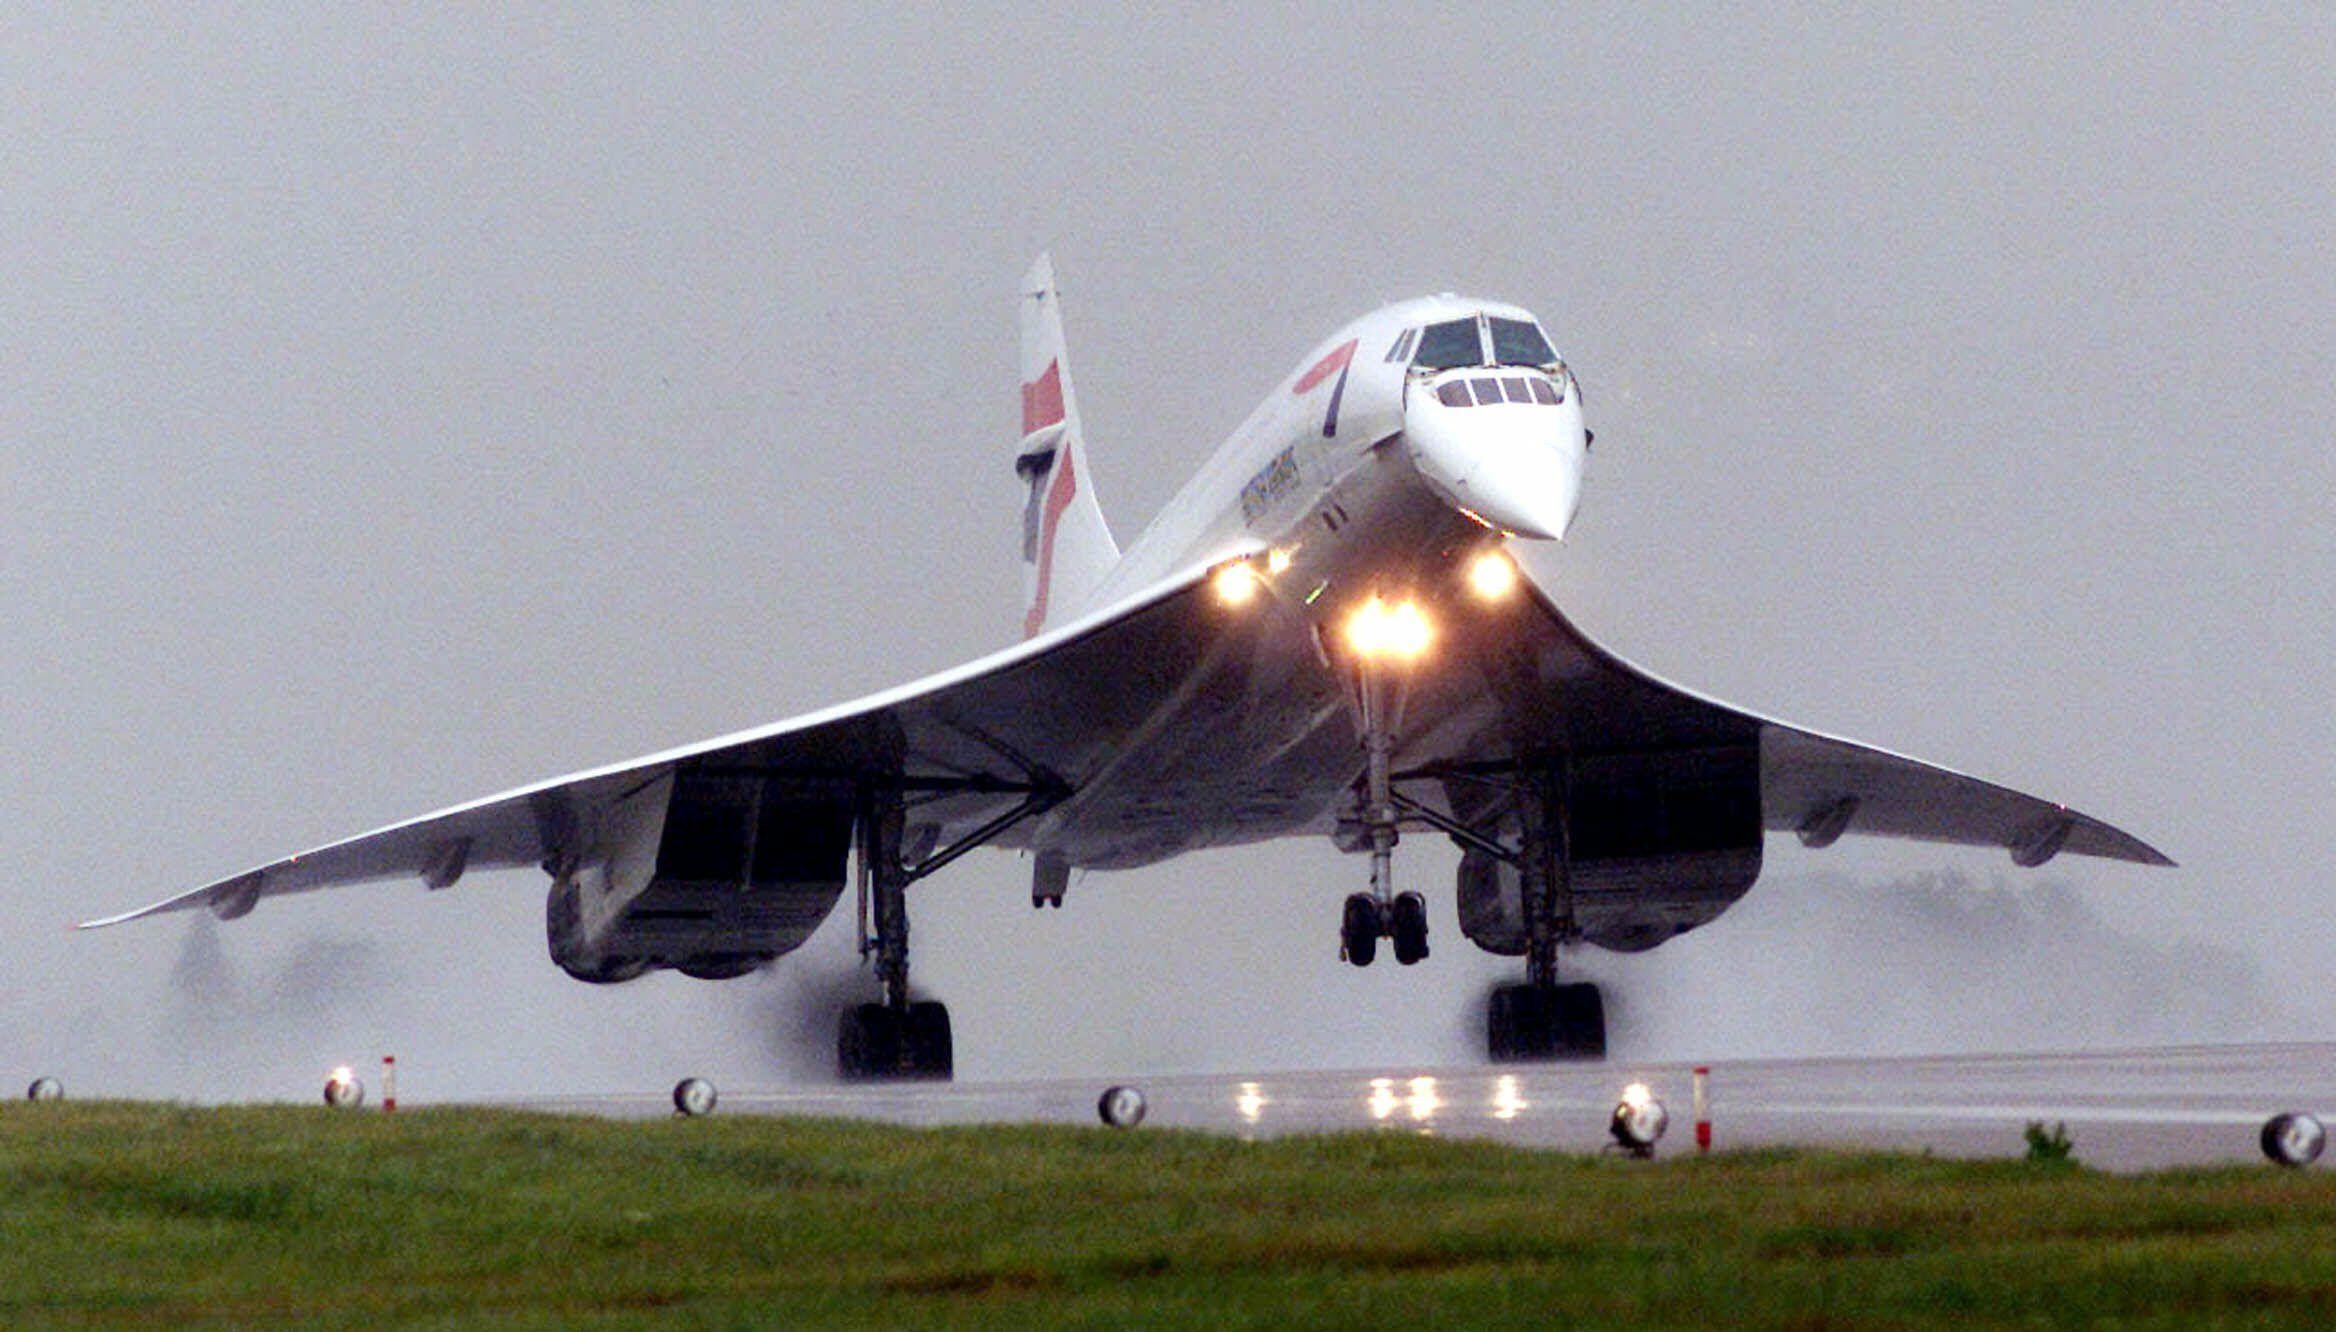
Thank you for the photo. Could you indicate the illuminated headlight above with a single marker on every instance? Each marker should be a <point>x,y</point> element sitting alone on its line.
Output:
<point>1639,1120</point>
<point>693,1097</point>
<point>1492,575</point>
<point>1380,630</point>
<point>2294,1139</point>
<point>1236,584</point>
<point>342,1090</point>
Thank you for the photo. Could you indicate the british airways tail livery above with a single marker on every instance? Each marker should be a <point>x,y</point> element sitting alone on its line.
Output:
<point>1321,634</point>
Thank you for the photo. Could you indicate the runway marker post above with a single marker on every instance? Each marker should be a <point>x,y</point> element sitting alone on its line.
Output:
<point>389,1084</point>
<point>1702,1109</point>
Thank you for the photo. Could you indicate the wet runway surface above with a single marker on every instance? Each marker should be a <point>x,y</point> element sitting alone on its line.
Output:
<point>2124,1110</point>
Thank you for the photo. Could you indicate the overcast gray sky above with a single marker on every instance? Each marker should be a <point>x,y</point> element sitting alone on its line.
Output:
<point>400,404</point>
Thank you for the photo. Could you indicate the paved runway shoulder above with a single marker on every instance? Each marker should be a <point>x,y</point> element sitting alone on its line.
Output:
<point>2124,1110</point>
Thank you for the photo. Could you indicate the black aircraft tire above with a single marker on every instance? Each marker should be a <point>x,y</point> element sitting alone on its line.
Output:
<point>1410,928</point>
<point>867,1043</point>
<point>1580,1013</point>
<point>1358,930</point>
<point>930,1051</point>
<point>1518,1028</point>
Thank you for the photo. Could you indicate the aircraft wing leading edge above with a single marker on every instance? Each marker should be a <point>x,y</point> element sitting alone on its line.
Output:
<point>979,735</point>
<point>1168,723</point>
<point>1822,786</point>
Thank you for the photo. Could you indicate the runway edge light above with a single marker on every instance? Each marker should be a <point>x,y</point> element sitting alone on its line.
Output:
<point>1120,1107</point>
<point>2294,1139</point>
<point>693,1097</point>
<point>342,1090</point>
<point>1638,1121</point>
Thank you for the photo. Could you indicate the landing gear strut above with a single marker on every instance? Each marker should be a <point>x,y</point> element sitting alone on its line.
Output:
<point>1542,1019</point>
<point>1381,913</point>
<point>897,1037</point>
<point>901,1037</point>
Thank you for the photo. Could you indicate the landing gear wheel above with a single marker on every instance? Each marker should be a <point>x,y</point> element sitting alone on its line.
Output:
<point>875,1042</point>
<point>1528,1023</point>
<point>1410,928</point>
<point>926,1049</point>
<point>1581,1022</point>
<point>1359,930</point>
<point>867,1044</point>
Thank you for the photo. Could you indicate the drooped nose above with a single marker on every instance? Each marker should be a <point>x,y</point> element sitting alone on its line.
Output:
<point>1513,465</point>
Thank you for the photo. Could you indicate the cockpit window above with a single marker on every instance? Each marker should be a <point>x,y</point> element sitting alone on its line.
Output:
<point>1443,346</point>
<point>1518,342</point>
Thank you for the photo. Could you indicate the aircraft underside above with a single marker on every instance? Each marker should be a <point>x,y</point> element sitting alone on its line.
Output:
<point>1257,727</point>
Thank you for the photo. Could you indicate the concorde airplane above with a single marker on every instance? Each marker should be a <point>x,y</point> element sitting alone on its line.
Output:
<point>1321,635</point>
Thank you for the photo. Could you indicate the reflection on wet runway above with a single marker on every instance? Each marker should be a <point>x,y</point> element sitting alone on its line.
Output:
<point>2125,1110</point>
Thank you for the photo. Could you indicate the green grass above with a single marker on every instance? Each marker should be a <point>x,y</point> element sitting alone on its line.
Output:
<point>162,1215</point>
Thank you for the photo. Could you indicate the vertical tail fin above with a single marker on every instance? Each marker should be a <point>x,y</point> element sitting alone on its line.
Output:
<point>1066,545</point>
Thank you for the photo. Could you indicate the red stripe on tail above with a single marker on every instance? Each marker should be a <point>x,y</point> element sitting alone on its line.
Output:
<point>1058,498</point>
<point>1042,402</point>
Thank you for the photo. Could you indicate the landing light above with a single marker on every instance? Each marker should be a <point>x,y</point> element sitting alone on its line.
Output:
<point>1492,575</point>
<point>1277,561</point>
<point>1380,630</point>
<point>1236,584</point>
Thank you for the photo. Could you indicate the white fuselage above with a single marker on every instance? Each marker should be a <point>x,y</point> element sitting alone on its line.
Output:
<point>1389,480</point>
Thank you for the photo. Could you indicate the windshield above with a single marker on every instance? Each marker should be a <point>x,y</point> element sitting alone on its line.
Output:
<point>1518,342</point>
<point>1442,346</point>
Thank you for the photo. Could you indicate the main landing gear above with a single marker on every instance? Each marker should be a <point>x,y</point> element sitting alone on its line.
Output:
<point>1542,1019</point>
<point>899,1037</point>
<point>896,1037</point>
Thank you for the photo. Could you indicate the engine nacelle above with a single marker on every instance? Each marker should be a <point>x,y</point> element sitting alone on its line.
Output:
<point>714,874</point>
<point>1492,904</point>
<point>1661,843</point>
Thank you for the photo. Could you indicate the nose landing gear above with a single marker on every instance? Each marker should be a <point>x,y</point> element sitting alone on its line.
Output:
<point>1381,913</point>
<point>1404,923</point>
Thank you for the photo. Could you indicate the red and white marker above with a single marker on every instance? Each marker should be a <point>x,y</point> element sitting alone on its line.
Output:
<point>1702,1109</point>
<point>388,1084</point>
